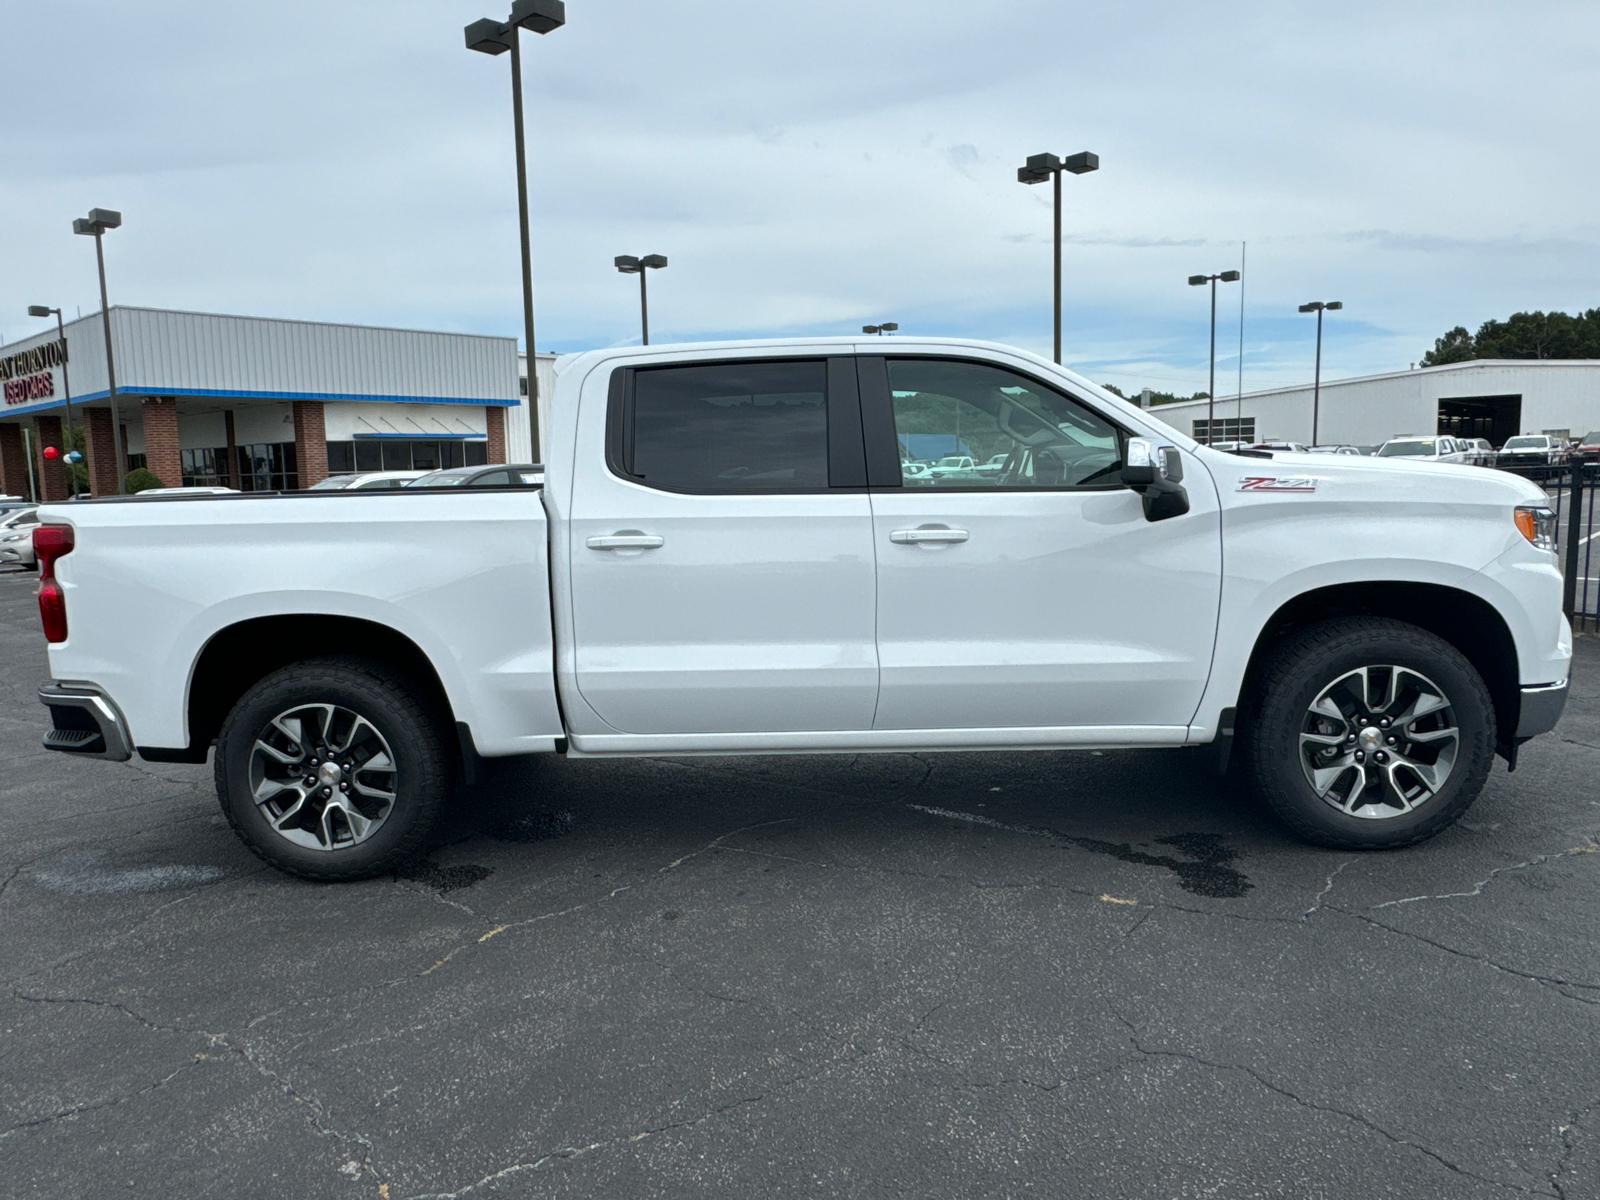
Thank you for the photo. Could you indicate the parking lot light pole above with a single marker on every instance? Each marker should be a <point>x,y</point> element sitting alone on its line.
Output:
<point>628,264</point>
<point>43,310</point>
<point>1037,169</point>
<point>886,328</point>
<point>95,225</point>
<point>1319,307</point>
<point>495,37</point>
<point>1211,388</point>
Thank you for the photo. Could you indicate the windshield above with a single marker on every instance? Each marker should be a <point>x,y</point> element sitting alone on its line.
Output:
<point>332,482</point>
<point>1590,438</point>
<point>1525,443</point>
<point>440,479</point>
<point>1422,446</point>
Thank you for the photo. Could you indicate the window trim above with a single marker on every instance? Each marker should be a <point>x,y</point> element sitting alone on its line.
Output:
<point>842,410</point>
<point>883,454</point>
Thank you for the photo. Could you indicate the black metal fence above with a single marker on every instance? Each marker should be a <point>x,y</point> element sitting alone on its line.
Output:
<point>1573,492</point>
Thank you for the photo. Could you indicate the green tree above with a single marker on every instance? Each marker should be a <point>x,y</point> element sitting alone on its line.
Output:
<point>1535,335</point>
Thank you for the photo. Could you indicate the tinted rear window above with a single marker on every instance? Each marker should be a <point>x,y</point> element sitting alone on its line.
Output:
<point>732,427</point>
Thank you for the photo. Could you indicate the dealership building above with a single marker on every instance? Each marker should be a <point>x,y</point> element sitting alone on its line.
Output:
<point>258,404</point>
<point>1488,398</point>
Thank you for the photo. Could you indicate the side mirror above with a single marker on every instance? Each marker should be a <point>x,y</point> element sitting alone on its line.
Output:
<point>1155,471</point>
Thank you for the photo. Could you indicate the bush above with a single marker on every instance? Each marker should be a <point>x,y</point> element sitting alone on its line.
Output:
<point>140,479</point>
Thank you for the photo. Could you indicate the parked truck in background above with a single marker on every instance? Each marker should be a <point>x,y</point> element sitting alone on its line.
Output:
<point>728,557</point>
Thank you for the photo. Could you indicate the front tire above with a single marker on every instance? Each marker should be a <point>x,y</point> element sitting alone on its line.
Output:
<point>332,769</point>
<point>1368,733</point>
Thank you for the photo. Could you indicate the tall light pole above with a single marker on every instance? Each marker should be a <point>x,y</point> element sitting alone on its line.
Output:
<point>1319,307</point>
<point>628,264</point>
<point>1037,169</point>
<point>881,330</point>
<point>495,37</point>
<point>42,310</point>
<point>94,225</point>
<point>1211,388</point>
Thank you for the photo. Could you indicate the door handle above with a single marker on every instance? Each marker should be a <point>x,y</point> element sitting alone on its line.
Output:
<point>626,541</point>
<point>913,537</point>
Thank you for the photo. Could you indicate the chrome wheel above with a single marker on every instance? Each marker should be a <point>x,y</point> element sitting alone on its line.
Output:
<point>323,776</point>
<point>1379,741</point>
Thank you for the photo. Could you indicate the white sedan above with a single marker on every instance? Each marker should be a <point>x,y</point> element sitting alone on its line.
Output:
<point>16,538</point>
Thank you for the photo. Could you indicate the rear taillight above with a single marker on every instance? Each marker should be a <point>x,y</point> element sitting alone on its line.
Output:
<point>50,542</point>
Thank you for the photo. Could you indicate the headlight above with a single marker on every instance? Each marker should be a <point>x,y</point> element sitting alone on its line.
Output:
<point>1538,525</point>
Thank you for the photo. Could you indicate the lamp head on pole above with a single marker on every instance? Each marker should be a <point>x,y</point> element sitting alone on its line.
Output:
<point>1335,304</point>
<point>539,16</point>
<point>97,222</point>
<point>628,264</point>
<point>1038,168</point>
<point>39,310</point>
<point>1081,163</point>
<point>1229,277</point>
<point>1199,280</point>
<point>656,261</point>
<point>489,37</point>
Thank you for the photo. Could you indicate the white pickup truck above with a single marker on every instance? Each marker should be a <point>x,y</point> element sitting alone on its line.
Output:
<point>725,558</point>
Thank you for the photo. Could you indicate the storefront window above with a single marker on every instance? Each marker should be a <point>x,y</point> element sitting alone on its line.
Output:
<point>404,454</point>
<point>205,468</point>
<point>268,467</point>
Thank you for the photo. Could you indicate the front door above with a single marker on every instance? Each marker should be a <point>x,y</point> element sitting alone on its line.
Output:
<point>722,571</point>
<point>1027,589</point>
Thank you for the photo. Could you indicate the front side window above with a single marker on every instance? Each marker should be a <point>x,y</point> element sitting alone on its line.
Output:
<point>728,427</point>
<point>972,425</point>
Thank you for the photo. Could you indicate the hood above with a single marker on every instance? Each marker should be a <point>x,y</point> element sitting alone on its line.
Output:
<point>1376,479</point>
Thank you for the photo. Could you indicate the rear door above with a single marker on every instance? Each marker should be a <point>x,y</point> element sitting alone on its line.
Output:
<point>1037,595</point>
<point>721,559</point>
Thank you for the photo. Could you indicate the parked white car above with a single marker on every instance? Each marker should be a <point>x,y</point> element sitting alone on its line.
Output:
<point>1430,449</point>
<point>362,481</point>
<point>1533,450</point>
<point>726,558</point>
<point>16,538</point>
<point>952,464</point>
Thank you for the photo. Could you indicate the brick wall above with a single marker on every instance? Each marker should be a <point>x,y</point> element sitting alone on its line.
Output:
<point>52,471</point>
<point>13,462</point>
<point>100,451</point>
<point>310,442</point>
<point>495,418</point>
<point>160,415</point>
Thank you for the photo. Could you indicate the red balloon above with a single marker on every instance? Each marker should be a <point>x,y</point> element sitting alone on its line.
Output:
<point>51,452</point>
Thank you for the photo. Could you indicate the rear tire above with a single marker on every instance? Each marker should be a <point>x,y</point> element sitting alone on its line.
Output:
<point>332,769</point>
<point>1368,733</point>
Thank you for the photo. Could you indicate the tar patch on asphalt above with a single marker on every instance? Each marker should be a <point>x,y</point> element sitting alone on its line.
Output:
<point>540,827</point>
<point>1206,873</point>
<point>445,879</point>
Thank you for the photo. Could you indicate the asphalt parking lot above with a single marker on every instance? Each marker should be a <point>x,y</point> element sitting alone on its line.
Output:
<point>1095,975</point>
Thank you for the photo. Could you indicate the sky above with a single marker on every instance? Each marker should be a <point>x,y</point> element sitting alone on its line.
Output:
<point>810,168</point>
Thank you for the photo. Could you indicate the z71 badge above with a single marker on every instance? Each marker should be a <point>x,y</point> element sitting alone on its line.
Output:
<point>1276,483</point>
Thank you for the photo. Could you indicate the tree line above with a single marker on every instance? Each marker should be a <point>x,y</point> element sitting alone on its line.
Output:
<point>1155,397</point>
<point>1522,335</point>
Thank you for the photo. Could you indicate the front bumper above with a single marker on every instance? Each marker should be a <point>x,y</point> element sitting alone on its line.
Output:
<point>1541,709</point>
<point>85,721</point>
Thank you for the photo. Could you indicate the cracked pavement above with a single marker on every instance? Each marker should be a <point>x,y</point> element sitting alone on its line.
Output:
<point>1076,974</point>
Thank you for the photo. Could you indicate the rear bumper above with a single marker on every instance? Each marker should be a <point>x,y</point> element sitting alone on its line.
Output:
<point>1541,709</point>
<point>85,721</point>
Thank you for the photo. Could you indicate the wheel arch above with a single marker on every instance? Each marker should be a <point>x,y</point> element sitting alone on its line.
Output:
<point>239,655</point>
<point>1468,622</point>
